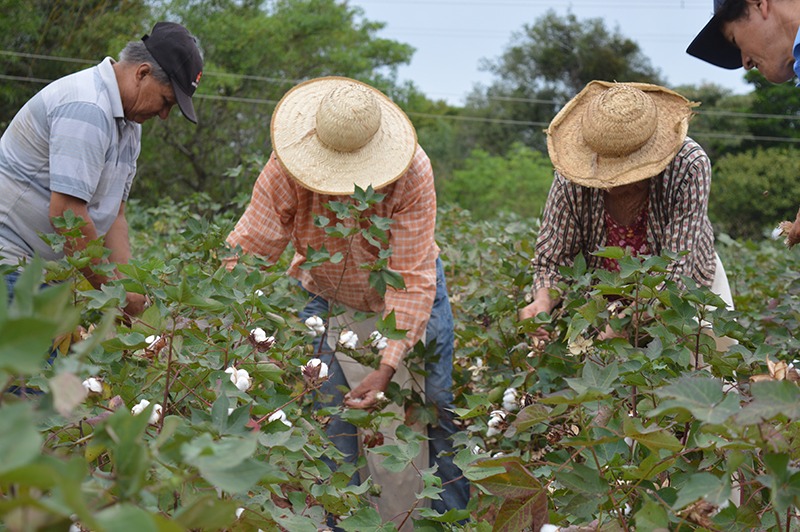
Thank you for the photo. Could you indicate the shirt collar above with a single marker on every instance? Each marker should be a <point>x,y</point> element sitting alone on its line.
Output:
<point>796,53</point>
<point>106,71</point>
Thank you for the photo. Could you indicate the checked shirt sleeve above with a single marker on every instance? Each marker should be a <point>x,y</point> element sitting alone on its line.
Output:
<point>414,254</point>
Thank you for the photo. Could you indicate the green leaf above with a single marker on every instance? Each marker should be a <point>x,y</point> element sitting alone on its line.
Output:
<point>20,441</point>
<point>654,438</point>
<point>596,378</point>
<point>702,486</point>
<point>129,518</point>
<point>68,392</point>
<point>582,479</point>
<point>701,396</point>
<point>771,399</point>
<point>531,415</point>
<point>514,482</point>
<point>366,519</point>
<point>651,516</point>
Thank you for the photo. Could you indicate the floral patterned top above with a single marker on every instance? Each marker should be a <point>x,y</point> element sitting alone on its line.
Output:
<point>632,238</point>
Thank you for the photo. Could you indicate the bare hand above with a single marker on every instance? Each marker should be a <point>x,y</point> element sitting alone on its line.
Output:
<point>793,235</point>
<point>136,303</point>
<point>540,336</point>
<point>364,395</point>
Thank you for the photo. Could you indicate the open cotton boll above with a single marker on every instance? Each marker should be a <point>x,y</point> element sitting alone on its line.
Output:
<point>280,415</point>
<point>348,339</point>
<point>155,414</point>
<point>377,340</point>
<point>259,335</point>
<point>549,528</point>
<point>240,378</point>
<point>510,399</point>
<point>314,370</point>
<point>315,325</point>
<point>93,385</point>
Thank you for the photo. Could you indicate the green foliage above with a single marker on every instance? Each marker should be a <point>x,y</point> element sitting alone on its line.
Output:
<point>487,185</point>
<point>770,175</point>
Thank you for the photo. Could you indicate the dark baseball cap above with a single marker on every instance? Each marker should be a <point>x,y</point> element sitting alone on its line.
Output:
<point>711,45</point>
<point>176,52</point>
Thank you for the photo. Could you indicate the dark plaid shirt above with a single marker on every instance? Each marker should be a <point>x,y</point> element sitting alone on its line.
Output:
<point>677,220</point>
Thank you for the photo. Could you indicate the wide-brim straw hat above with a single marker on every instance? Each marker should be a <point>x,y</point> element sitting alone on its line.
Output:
<point>333,133</point>
<point>613,134</point>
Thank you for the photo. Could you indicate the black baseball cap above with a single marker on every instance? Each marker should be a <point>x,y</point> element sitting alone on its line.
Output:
<point>711,45</point>
<point>176,52</point>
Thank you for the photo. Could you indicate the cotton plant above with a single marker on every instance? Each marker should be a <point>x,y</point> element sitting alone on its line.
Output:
<point>155,414</point>
<point>240,378</point>
<point>315,325</point>
<point>314,371</point>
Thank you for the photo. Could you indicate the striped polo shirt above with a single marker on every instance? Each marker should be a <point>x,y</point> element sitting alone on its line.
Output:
<point>71,138</point>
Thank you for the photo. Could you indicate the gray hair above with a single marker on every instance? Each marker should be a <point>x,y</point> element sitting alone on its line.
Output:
<point>137,53</point>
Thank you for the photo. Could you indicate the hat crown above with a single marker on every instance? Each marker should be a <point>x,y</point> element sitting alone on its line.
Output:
<point>348,117</point>
<point>619,121</point>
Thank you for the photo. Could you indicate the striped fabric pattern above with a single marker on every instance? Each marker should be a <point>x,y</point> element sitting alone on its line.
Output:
<point>71,138</point>
<point>677,220</point>
<point>281,211</point>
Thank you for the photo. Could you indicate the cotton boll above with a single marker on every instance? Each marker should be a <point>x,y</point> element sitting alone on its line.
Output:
<point>280,415</point>
<point>348,339</point>
<point>549,528</point>
<point>259,335</point>
<point>377,340</point>
<point>510,399</point>
<point>93,385</point>
<point>315,325</point>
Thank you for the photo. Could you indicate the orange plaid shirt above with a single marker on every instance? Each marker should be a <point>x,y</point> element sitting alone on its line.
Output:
<point>281,210</point>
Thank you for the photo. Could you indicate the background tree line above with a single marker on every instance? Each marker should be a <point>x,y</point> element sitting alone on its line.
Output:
<point>489,155</point>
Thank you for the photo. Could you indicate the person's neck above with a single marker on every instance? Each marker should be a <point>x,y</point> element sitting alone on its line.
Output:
<point>625,203</point>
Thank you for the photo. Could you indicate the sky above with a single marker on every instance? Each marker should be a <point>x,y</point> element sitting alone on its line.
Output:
<point>451,37</point>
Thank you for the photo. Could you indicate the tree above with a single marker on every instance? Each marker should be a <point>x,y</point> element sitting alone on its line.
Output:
<point>43,40</point>
<point>778,107</point>
<point>488,184</point>
<point>720,122</point>
<point>255,51</point>
<point>545,65</point>
<point>753,191</point>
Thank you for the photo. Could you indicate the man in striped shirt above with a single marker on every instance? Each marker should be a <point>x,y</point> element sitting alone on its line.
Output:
<point>74,145</point>
<point>330,135</point>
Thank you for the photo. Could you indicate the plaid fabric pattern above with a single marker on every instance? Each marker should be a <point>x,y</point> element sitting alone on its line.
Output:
<point>282,211</point>
<point>677,220</point>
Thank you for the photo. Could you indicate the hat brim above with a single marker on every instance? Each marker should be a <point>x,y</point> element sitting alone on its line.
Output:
<point>317,167</point>
<point>575,160</point>
<point>711,46</point>
<point>184,103</point>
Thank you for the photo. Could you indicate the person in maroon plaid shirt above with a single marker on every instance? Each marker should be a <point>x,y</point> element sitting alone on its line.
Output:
<point>626,175</point>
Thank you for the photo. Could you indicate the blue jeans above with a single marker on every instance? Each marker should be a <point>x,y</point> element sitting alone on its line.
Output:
<point>438,393</point>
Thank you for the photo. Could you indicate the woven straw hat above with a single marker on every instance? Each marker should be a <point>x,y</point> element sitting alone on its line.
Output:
<point>333,133</point>
<point>612,134</point>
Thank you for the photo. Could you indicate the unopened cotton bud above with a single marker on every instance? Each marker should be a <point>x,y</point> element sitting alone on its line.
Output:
<point>280,415</point>
<point>348,339</point>
<point>93,385</point>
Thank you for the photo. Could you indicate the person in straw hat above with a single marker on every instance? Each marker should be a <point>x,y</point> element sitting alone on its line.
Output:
<point>330,135</point>
<point>626,175</point>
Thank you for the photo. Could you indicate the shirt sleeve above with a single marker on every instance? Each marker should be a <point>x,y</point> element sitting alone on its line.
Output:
<point>265,228</point>
<point>79,138</point>
<point>414,255</point>
<point>687,190</point>
<point>559,240</point>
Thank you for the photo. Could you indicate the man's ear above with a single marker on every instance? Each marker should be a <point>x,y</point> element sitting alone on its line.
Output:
<point>142,71</point>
